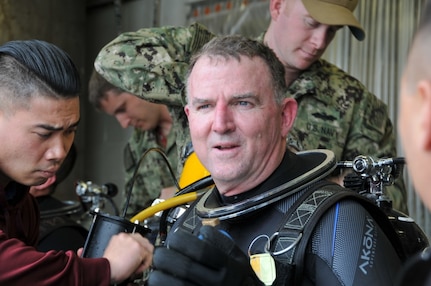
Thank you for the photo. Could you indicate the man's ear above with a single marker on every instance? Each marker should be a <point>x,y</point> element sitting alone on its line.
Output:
<point>424,106</point>
<point>187,110</point>
<point>275,8</point>
<point>290,108</point>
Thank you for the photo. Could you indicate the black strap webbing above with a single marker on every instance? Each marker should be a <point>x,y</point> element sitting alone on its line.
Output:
<point>306,212</point>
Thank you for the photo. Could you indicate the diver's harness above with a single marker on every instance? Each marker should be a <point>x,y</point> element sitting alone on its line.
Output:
<point>289,243</point>
<point>299,223</point>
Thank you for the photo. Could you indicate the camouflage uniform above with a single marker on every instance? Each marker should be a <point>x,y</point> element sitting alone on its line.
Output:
<point>355,121</point>
<point>153,173</point>
<point>336,112</point>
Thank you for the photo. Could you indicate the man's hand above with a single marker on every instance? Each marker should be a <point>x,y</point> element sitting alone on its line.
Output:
<point>128,254</point>
<point>211,258</point>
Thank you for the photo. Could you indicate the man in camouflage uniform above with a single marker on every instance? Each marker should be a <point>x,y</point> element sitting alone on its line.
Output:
<point>147,173</point>
<point>152,63</point>
<point>335,110</point>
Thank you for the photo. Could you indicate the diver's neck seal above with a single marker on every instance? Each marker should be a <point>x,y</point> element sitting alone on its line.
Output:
<point>321,163</point>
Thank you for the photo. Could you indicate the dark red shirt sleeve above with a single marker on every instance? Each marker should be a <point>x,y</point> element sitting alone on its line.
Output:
<point>22,264</point>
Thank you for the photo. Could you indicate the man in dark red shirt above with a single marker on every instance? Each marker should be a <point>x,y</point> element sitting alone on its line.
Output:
<point>39,114</point>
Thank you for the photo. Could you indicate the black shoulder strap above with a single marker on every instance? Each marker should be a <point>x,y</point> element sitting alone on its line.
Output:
<point>304,215</point>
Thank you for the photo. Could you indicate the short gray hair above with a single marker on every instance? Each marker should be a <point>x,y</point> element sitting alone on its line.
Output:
<point>235,46</point>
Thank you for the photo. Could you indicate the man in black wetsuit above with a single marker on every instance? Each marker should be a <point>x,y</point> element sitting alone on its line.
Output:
<point>239,119</point>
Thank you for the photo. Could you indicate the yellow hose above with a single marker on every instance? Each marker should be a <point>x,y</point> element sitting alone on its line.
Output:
<point>169,203</point>
<point>193,171</point>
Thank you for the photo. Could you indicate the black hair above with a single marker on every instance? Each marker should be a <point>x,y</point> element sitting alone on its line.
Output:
<point>47,62</point>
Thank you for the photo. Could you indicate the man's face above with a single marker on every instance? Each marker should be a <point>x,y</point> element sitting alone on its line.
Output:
<point>130,110</point>
<point>237,130</point>
<point>296,38</point>
<point>35,141</point>
<point>412,127</point>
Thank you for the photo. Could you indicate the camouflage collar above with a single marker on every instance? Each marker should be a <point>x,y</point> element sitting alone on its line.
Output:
<point>312,82</point>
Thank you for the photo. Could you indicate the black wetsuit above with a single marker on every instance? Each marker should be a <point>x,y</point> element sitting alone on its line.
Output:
<point>347,246</point>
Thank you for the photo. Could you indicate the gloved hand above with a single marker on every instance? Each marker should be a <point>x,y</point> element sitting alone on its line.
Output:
<point>211,258</point>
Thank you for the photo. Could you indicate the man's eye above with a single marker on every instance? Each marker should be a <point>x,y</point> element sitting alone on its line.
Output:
<point>120,110</point>
<point>70,131</point>
<point>204,106</point>
<point>244,104</point>
<point>311,23</point>
<point>44,135</point>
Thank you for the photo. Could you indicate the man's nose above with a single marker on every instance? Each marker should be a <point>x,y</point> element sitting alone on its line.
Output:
<point>58,149</point>
<point>223,119</point>
<point>321,37</point>
<point>124,120</point>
